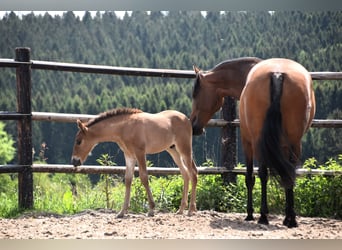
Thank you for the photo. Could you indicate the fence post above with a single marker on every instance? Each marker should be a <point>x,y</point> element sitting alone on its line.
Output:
<point>24,127</point>
<point>229,140</point>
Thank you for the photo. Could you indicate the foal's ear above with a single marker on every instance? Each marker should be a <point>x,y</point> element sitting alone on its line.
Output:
<point>81,126</point>
<point>196,69</point>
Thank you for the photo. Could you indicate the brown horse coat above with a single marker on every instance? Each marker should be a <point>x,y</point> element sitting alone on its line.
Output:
<point>277,106</point>
<point>297,104</point>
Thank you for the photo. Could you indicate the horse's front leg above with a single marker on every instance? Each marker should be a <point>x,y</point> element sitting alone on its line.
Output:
<point>264,207</point>
<point>130,164</point>
<point>144,180</point>
<point>250,181</point>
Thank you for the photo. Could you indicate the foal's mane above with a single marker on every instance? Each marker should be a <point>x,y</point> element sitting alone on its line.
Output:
<point>112,113</point>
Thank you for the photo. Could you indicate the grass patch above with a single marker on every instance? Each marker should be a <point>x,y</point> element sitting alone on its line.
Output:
<point>319,196</point>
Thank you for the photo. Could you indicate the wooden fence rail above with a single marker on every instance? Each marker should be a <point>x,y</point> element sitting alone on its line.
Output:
<point>24,116</point>
<point>72,118</point>
<point>131,71</point>
<point>95,169</point>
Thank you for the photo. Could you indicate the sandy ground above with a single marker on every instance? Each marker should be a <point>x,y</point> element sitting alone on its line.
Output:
<point>102,224</point>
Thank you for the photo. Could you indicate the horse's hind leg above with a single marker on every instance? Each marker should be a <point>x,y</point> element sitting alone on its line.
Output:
<point>130,163</point>
<point>290,215</point>
<point>144,180</point>
<point>290,218</point>
<point>264,208</point>
<point>177,159</point>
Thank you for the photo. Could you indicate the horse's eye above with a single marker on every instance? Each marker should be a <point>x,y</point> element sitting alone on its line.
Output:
<point>78,142</point>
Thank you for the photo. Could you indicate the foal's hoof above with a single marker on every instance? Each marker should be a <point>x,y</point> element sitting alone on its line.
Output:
<point>290,222</point>
<point>191,212</point>
<point>180,212</point>
<point>120,215</point>
<point>150,214</point>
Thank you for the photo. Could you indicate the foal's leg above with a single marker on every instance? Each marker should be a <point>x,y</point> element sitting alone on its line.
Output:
<point>264,208</point>
<point>130,164</point>
<point>177,159</point>
<point>193,177</point>
<point>144,180</point>
<point>193,173</point>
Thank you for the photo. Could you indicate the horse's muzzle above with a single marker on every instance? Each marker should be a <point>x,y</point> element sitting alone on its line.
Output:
<point>76,162</point>
<point>196,130</point>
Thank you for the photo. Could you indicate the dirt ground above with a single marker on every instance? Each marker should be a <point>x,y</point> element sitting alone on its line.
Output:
<point>102,224</point>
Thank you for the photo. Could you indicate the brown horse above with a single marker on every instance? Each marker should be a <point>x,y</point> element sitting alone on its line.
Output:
<point>277,106</point>
<point>138,133</point>
<point>225,79</point>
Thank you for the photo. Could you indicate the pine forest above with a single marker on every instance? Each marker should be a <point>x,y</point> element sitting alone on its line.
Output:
<point>162,40</point>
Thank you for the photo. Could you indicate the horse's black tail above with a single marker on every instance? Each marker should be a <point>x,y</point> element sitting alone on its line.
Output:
<point>270,150</point>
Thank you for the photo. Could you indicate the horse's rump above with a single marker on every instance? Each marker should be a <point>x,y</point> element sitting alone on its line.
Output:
<point>278,107</point>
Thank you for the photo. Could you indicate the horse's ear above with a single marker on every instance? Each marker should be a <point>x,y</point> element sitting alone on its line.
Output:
<point>81,126</point>
<point>196,69</point>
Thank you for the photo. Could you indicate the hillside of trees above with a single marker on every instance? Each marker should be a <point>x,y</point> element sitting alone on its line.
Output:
<point>175,40</point>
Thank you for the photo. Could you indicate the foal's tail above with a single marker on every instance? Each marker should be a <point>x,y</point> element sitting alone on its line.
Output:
<point>270,150</point>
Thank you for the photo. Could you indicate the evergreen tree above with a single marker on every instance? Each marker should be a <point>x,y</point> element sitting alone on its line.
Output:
<point>175,40</point>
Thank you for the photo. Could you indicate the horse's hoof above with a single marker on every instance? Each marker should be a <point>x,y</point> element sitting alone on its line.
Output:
<point>249,218</point>
<point>290,223</point>
<point>263,220</point>
<point>150,214</point>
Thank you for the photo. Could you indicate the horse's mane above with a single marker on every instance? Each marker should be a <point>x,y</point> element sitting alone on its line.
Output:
<point>196,87</point>
<point>233,61</point>
<point>111,113</point>
<point>222,65</point>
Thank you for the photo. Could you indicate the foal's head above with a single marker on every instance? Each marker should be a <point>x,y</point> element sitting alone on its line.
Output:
<point>84,143</point>
<point>205,102</point>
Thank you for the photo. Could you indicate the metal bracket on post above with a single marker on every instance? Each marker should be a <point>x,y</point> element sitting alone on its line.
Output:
<point>25,178</point>
<point>229,140</point>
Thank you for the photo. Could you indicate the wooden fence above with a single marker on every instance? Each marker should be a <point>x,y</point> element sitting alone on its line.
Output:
<point>24,116</point>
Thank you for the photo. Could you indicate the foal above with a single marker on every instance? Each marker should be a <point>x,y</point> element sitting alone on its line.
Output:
<point>138,133</point>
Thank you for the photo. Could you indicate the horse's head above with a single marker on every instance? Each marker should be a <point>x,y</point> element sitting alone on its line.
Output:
<point>84,143</point>
<point>206,100</point>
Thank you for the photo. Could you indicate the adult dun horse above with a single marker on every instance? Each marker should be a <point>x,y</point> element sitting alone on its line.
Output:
<point>277,106</point>
<point>138,133</point>
<point>225,79</point>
